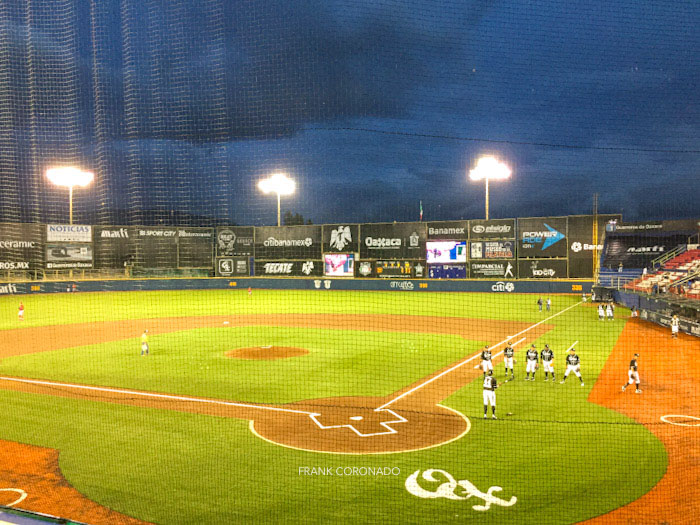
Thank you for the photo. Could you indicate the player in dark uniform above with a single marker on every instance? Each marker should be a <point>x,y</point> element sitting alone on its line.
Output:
<point>539,304</point>
<point>547,360</point>
<point>486,364</point>
<point>573,365</point>
<point>490,385</point>
<point>532,362</point>
<point>633,375</point>
<point>508,353</point>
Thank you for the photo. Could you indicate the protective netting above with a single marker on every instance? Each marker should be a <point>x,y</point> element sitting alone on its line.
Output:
<point>192,362</point>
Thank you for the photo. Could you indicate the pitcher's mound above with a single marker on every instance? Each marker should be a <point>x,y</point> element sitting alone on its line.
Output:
<point>266,352</point>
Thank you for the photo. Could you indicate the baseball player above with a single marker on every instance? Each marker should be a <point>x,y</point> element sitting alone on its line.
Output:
<point>549,304</point>
<point>508,353</point>
<point>601,312</point>
<point>490,385</point>
<point>486,364</point>
<point>144,343</point>
<point>532,362</point>
<point>548,362</point>
<point>572,365</point>
<point>633,375</point>
<point>539,304</point>
<point>675,325</point>
<point>609,311</point>
<point>20,312</point>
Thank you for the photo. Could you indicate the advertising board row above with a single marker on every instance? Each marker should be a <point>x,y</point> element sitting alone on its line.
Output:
<point>474,248</point>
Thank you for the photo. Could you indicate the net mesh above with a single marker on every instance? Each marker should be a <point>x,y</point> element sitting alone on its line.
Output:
<point>337,359</point>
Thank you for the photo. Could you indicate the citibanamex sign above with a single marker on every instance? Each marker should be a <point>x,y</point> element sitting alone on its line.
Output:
<point>500,286</point>
<point>401,285</point>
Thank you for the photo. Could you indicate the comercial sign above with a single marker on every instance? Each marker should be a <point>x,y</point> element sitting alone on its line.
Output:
<point>234,240</point>
<point>492,250</point>
<point>306,268</point>
<point>542,268</point>
<point>288,242</point>
<point>392,241</point>
<point>492,229</point>
<point>492,269</point>
<point>448,231</point>
<point>68,233</point>
<point>542,237</point>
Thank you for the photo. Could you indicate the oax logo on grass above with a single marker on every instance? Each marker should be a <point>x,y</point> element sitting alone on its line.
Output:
<point>448,487</point>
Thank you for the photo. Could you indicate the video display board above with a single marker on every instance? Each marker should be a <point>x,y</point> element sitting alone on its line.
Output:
<point>339,264</point>
<point>446,252</point>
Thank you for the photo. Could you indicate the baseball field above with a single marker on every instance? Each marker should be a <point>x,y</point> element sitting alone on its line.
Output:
<point>320,406</point>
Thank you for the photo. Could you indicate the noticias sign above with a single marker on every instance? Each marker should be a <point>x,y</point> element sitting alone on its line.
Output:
<point>68,233</point>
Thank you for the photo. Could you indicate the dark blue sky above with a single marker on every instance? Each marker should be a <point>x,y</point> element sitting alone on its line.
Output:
<point>370,106</point>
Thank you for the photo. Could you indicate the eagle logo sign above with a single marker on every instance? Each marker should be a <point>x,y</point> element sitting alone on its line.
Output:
<point>341,237</point>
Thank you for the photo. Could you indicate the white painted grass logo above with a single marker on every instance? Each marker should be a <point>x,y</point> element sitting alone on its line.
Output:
<point>448,487</point>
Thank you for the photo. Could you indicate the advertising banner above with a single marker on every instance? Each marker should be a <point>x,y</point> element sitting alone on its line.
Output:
<point>68,233</point>
<point>492,229</point>
<point>685,225</point>
<point>581,246</point>
<point>155,247</point>
<point>288,268</point>
<point>492,250</point>
<point>638,250</point>
<point>404,240</point>
<point>448,231</point>
<point>542,269</point>
<point>492,269</point>
<point>195,247</point>
<point>113,246</point>
<point>542,237</point>
<point>399,269</point>
<point>341,238</point>
<point>21,246</point>
<point>232,266</point>
<point>447,271</point>
<point>288,242</point>
<point>235,240</point>
<point>68,256</point>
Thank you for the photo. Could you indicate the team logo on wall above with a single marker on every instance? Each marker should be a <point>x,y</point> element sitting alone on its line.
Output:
<point>226,239</point>
<point>419,269</point>
<point>341,237</point>
<point>365,269</point>
<point>226,266</point>
<point>413,240</point>
<point>307,267</point>
<point>545,238</point>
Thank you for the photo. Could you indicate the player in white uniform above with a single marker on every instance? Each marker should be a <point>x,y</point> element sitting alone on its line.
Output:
<point>547,362</point>
<point>609,312</point>
<point>486,364</point>
<point>508,353</point>
<point>573,364</point>
<point>675,325</point>
<point>601,312</point>
<point>633,375</point>
<point>532,359</point>
<point>490,385</point>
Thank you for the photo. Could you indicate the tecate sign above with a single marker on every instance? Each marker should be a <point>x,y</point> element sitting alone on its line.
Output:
<point>278,268</point>
<point>500,286</point>
<point>68,232</point>
<point>288,243</point>
<point>382,242</point>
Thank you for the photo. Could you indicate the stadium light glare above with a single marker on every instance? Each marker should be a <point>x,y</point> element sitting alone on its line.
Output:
<point>69,177</point>
<point>489,168</point>
<point>280,184</point>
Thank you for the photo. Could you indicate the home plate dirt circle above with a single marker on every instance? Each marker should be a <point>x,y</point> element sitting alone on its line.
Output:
<point>353,425</point>
<point>266,353</point>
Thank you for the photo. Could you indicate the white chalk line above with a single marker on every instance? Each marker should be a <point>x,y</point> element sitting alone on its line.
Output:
<point>385,424</point>
<point>665,420</point>
<point>152,394</point>
<point>22,497</point>
<point>462,363</point>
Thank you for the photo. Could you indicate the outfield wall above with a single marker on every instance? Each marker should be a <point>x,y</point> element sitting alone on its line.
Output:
<point>404,285</point>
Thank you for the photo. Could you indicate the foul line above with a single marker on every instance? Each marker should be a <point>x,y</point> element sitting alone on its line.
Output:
<point>455,367</point>
<point>151,394</point>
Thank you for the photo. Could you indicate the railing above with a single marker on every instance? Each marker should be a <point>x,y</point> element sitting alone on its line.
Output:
<point>100,274</point>
<point>614,281</point>
<point>661,259</point>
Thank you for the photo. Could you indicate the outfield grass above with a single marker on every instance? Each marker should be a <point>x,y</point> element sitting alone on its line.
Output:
<point>564,458</point>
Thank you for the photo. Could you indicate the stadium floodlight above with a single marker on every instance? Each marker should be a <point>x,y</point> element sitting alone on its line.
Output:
<point>70,177</point>
<point>489,168</point>
<point>280,184</point>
